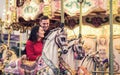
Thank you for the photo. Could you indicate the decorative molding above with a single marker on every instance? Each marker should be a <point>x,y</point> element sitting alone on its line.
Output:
<point>116,19</point>
<point>96,20</point>
<point>71,22</point>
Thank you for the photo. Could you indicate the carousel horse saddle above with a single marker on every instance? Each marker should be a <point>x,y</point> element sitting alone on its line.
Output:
<point>28,65</point>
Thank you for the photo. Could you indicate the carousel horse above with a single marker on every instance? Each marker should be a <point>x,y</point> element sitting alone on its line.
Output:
<point>48,63</point>
<point>91,61</point>
<point>56,42</point>
<point>7,54</point>
<point>88,62</point>
<point>70,60</point>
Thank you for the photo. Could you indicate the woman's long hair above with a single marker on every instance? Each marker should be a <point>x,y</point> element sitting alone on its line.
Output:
<point>33,35</point>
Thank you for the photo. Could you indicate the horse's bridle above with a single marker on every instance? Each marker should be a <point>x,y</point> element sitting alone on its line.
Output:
<point>61,42</point>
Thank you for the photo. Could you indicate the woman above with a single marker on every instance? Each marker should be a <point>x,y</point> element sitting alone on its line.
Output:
<point>34,44</point>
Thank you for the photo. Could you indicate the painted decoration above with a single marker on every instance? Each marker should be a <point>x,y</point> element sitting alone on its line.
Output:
<point>30,11</point>
<point>55,6</point>
<point>101,3</point>
<point>72,7</point>
<point>47,10</point>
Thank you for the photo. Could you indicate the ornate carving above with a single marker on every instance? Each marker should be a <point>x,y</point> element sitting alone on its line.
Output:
<point>71,22</point>
<point>97,20</point>
<point>117,18</point>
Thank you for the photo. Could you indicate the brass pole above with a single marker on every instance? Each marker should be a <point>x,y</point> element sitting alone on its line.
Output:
<point>6,8</point>
<point>8,42</point>
<point>9,30</point>
<point>80,19</point>
<point>62,13</point>
<point>111,70</point>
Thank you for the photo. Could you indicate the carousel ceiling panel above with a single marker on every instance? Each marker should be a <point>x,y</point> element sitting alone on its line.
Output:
<point>72,7</point>
<point>30,10</point>
<point>94,12</point>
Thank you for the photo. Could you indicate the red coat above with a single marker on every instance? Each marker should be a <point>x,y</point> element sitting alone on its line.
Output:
<point>33,50</point>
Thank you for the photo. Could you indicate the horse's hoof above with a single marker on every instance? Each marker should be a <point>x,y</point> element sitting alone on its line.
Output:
<point>65,51</point>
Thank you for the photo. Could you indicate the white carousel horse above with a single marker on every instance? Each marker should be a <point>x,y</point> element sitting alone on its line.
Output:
<point>89,46</point>
<point>74,55</point>
<point>48,63</point>
<point>56,40</point>
<point>89,61</point>
<point>92,61</point>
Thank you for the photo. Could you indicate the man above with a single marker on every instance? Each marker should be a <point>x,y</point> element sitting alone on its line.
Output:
<point>45,23</point>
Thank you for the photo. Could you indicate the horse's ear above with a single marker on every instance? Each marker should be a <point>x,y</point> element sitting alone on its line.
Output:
<point>62,30</point>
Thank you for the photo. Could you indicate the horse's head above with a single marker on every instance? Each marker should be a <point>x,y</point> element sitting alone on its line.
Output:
<point>3,47</point>
<point>61,41</point>
<point>79,52</point>
<point>9,53</point>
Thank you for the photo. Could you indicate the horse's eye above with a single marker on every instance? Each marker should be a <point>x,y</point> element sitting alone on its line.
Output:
<point>63,39</point>
<point>80,47</point>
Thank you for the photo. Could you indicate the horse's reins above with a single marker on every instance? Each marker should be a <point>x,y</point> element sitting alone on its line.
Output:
<point>86,57</point>
<point>50,64</point>
<point>50,32</point>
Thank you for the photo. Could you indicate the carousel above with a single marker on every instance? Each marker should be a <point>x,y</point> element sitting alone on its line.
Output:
<point>90,28</point>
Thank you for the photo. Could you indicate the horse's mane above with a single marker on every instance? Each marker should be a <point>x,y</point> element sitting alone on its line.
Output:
<point>50,37</point>
<point>72,42</point>
<point>51,31</point>
<point>50,47</point>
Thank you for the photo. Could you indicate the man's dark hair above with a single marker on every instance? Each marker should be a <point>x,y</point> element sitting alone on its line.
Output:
<point>44,18</point>
<point>33,34</point>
